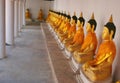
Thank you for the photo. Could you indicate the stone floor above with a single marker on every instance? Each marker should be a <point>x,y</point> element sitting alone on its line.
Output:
<point>35,58</point>
<point>27,61</point>
<point>63,72</point>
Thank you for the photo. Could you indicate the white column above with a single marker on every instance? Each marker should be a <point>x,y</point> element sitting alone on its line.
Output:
<point>2,29</point>
<point>9,22</point>
<point>15,18</point>
<point>24,12</point>
<point>19,14</point>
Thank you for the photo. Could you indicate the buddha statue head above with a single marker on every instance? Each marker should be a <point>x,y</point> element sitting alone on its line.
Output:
<point>109,30</point>
<point>68,17</point>
<point>59,15</point>
<point>74,19</point>
<point>40,10</point>
<point>63,16</point>
<point>91,25</point>
<point>27,10</point>
<point>81,21</point>
<point>27,14</point>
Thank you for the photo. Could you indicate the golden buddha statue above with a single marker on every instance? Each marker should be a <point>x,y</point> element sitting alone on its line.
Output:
<point>118,81</point>
<point>87,50</point>
<point>100,68</point>
<point>66,28</point>
<point>40,15</point>
<point>57,19</point>
<point>66,25</point>
<point>60,29</point>
<point>78,37</point>
<point>54,18</point>
<point>27,14</point>
<point>72,30</point>
<point>58,22</point>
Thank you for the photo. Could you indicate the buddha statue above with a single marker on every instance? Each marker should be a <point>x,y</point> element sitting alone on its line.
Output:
<point>66,23</point>
<point>27,14</point>
<point>66,28</point>
<point>58,22</point>
<point>72,30</point>
<point>40,15</point>
<point>100,68</point>
<point>78,37</point>
<point>60,29</point>
<point>54,19</point>
<point>87,50</point>
<point>118,81</point>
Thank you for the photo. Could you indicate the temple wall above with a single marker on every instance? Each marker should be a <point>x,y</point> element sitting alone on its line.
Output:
<point>102,10</point>
<point>35,5</point>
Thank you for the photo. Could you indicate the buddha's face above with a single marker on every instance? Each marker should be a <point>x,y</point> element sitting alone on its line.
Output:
<point>27,10</point>
<point>66,19</point>
<point>59,16</point>
<point>88,27</point>
<point>72,21</point>
<point>62,17</point>
<point>105,34</point>
<point>79,24</point>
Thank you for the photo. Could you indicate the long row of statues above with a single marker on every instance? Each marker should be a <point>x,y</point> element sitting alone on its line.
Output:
<point>80,49</point>
<point>28,16</point>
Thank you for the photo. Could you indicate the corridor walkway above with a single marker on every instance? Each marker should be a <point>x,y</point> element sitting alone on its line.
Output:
<point>27,61</point>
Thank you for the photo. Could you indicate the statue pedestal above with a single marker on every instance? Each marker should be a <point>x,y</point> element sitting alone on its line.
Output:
<point>81,78</point>
<point>61,45</point>
<point>29,20</point>
<point>68,54</point>
<point>74,65</point>
<point>50,28</point>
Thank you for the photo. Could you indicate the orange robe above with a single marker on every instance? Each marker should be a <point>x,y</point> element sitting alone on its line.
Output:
<point>67,27</point>
<point>60,29</point>
<point>101,67</point>
<point>72,31</point>
<point>105,47</point>
<point>40,15</point>
<point>27,15</point>
<point>79,37</point>
<point>90,39</point>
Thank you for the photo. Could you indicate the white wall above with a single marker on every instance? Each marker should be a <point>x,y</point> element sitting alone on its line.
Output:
<point>35,5</point>
<point>102,10</point>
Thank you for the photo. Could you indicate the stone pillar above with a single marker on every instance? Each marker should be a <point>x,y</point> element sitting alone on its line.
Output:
<point>9,21</point>
<point>19,14</point>
<point>16,18</point>
<point>24,12</point>
<point>2,29</point>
